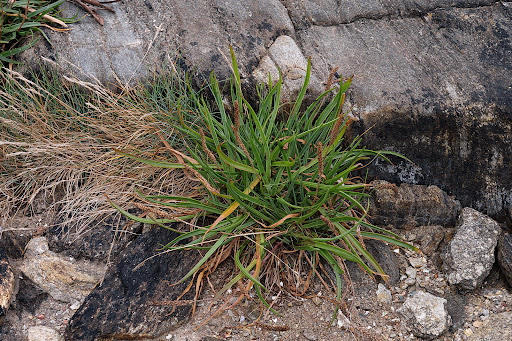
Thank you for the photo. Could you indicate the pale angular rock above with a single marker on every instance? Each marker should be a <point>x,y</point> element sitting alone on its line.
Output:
<point>284,55</point>
<point>469,256</point>
<point>42,333</point>
<point>383,294</point>
<point>425,315</point>
<point>63,279</point>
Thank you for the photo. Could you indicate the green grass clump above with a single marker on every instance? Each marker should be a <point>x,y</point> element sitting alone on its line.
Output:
<point>277,191</point>
<point>21,19</point>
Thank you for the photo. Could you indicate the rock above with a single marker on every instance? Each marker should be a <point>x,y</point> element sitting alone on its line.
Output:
<point>42,333</point>
<point>138,38</point>
<point>456,307</point>
<point>469,256</point>
<point>285,55</point>
<point>97,242</point>
<point>411,205</point>
<point>505,255</point>
<point>343,321</point>
<point>122,306</point>
<point>310,335</point>
<point>29,295</point>
<point>7,284</point>
<point>64,279</point>
<point>427,238</point>
<point>386,258</point>
<point>425,315</point>
<point>498,327</point>
<point>451,118</point>
<point>383,294</point>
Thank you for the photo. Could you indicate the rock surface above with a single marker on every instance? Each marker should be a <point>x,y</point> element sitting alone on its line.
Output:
<point>64,279</point>
<point>123,306</point>
<point>411,205</point>
<point>42,333</point>
<point>425,315</point>
<point>448,117</point>
<point>7,283</point>
<point>284,55</point>
<point>469,256</point>
<point>505,256</point>
<point>427,238</point>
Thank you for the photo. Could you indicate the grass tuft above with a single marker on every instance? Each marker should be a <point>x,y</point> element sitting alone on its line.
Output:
<point>277,194</point>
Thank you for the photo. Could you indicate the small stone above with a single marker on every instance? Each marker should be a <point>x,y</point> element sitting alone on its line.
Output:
<point>418,262</point>
<point>343,321</point>
<point>42,333</point>
<point>469,256</point>
<point>410,281</point>
<point>75,306</point>
<point>309,334</point>
<point>425,315</point>
<point>468,332</point>
<point>383,294</point>
<point>477,324</point>
<point>411,272</point>
<point>63,280</point>
<point>317,300</point>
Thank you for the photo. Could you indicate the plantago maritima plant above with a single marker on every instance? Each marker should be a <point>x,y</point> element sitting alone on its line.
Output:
<point>277,189</point>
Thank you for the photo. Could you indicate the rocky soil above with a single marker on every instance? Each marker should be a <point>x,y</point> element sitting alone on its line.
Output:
<point>432,294</point>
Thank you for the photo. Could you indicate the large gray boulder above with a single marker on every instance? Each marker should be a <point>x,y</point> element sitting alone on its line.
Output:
<point>469,256</point>
<point>432,77</point>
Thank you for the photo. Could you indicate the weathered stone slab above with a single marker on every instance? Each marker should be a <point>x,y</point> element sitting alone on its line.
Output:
<point>64,279</point>
<point>435,87</point>
<point>338,12</point>
<point>143,34</point>
<point>126,304</point>
<point>411,205</point>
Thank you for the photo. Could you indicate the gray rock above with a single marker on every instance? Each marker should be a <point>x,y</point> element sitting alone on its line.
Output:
<point>427,238</point>
<point>411,205</point>
<point>469,256</point>
<point>432,77</point>
<point>285,55</point>
<point>505,256</point>
<point>64,279</point>
<point>383,294</point>
<point>433,85</point>
<point>130,302</point>
<point>336,12</point>
<point>42,333</point>
<point>425,315</point>
<point>497,327</point>
<point>142,35</point>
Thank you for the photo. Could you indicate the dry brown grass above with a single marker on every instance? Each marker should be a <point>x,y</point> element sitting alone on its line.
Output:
<point>57,141</point>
